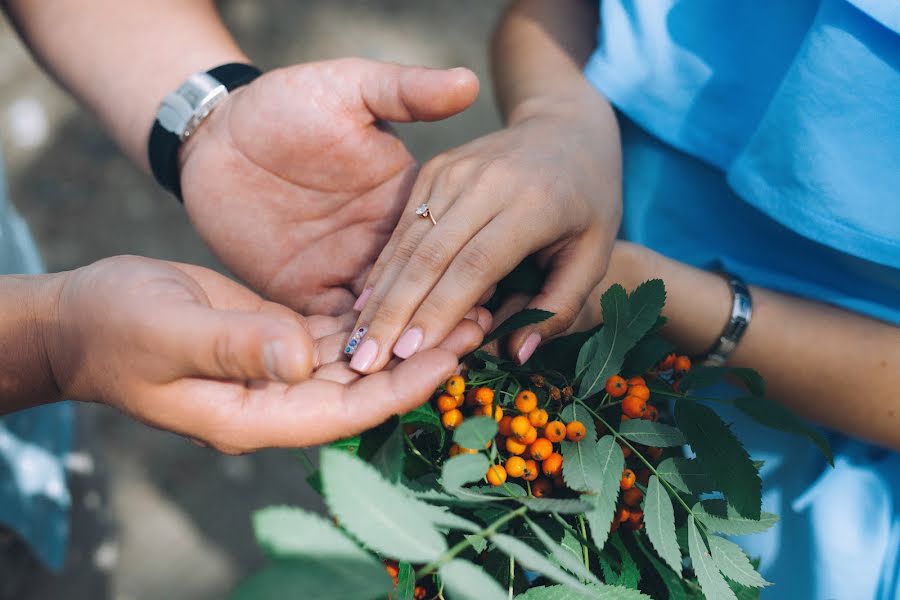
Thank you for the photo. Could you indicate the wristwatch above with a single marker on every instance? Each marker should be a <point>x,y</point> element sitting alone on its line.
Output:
<point>182,112</point>
<point>741,313</point>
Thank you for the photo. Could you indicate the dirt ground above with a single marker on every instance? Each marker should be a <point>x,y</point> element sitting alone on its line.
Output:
<point>181,513</point>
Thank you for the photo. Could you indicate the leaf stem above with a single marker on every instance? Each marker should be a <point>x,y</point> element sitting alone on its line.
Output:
<point>512,575</point>
<point>412,447</point>
<point>584,548</point>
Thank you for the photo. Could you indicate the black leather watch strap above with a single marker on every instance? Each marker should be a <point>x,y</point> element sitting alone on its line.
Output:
<point>162,148</point>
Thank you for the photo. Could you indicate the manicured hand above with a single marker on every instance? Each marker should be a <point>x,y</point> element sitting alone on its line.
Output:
<point>549,185</point>
<point>185,349</point>
<point>296,182</point>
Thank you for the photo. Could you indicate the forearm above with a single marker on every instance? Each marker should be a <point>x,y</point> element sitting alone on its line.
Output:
<point>538,51</point>
<point>27,309</point>
<point>121,57</point>
<point>835,367</point>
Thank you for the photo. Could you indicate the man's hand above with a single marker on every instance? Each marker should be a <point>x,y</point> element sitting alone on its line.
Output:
<point>185,349</point>
<point>296,182</point>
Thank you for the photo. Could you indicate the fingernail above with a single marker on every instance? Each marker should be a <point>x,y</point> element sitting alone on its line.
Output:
<point>528,348</point>
<point>354,340</point>
<point>472,315</point>
<point>363,298</point>
<point>364,356</point>
<point>408,343</point>
<point>273,357</point>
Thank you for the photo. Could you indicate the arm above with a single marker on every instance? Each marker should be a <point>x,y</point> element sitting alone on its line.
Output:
<point>835,367</point>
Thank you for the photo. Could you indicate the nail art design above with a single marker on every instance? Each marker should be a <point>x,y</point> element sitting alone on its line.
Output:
<point>354,341</point>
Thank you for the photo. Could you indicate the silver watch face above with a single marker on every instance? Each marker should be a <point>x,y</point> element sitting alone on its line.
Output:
<point>182,111</point>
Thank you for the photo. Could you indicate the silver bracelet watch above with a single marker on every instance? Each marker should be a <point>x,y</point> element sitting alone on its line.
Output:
<point>741,312</point>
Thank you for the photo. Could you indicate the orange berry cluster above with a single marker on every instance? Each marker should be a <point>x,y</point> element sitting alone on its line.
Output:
<point>636,395</point>
<point>393,569</point>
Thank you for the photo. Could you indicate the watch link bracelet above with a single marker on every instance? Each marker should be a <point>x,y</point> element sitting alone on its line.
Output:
<point>741,312</point>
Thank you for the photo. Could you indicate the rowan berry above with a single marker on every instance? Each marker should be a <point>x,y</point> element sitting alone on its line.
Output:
<point>555,394</point>
<point>555,431</point>
<point>538,380</point>
<point>514,446</point>
<point>520,426</point>
<point>454,450</point>
<point>455,386</point>
<point>515,466</point>
<point>446,402</point>
<point>538,417</point>
<point>531,470</point>
<point>682,364</point>
<point>616,386</point>
<point>558,481</point>
<point>496,475</point>
<point>601,429</point>
<point>633,407</point>
<point>634,526</point>
<point>614,526</point>
<point>505,426</point>
<point>484,396</point>
<point>392,569</point>
<point>626,482</point>
<point>636,381</point>
<point>641,391</point>
<point>651,413</point>
<point>625,418</point>
<point>668,362</point>
<point>568,392</point>
<point>622,514</point>
<point>529,437</point>
<point>575,431</point>
<point>643,476</point>
<point>540,449</point>
<point>654,453</point>
<point>498,413</point>
<point>526,401</point>
<point>626,451</point>
<point>552,465</point>
<point>632,496</point>
<point>452,418</point>
<point>420,593</point>
<point>636,516</point>
<point>541,488</point>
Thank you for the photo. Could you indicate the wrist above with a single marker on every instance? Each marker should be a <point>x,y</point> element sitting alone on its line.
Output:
<point>47,294</point>
<point>572,106</point>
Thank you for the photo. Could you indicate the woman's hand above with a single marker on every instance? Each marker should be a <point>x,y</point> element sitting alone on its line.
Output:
<point>549,185</point>
<point>185,349</point>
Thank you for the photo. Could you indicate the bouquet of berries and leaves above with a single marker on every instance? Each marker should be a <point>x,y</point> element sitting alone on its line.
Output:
<point>593,471</point>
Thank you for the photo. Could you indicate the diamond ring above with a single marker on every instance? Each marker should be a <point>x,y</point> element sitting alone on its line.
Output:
<point>424,212</point>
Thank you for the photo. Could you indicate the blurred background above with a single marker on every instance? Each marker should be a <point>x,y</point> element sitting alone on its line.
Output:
<point>174,518</point>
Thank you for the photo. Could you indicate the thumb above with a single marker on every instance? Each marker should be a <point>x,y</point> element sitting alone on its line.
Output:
<point>399,93</point>
<point>229,345</point>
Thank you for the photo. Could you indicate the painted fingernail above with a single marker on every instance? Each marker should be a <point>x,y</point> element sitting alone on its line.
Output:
<point>273,358</point>
<point>354,340</point>
<point>364,356</point>
<point>528,348</point>
<point>408,343</point>
<point>363,298</point>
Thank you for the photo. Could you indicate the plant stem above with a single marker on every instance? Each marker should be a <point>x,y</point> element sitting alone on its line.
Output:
<point>307,462</point>
<point>584,548</point>
<point>412,447</point>
<point>466,542</point>
<point>512,575</point>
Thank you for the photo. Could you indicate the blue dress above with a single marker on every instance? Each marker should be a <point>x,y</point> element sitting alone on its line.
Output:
<point>764,136</point>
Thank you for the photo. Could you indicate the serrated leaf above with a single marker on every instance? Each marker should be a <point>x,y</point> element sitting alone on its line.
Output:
<point>478,543</point>
<point>711,581</point>
<point>573,564</point>
<point>444,519</point>
<point>630,575</point>
<point>659,518</point>
<point>384,517</point>
<point>645,304</point>
<point>463,469</point>
<point>611,463</point>
<point>465,581</point>
<point>350,444</point>
<point>685,475</point>
<point>290,532</point>
<point>722,456</point>
<point>556,505</point>
<point>609,345</point>
<point>533,560</point>
<point>406,582</point>
<point>720,517</point>
<point>771,414</point>
<point>733,563</point>
<point>581,463</point>
<point>601,592</point>
<point>646,354</point>
<point>426,416</point>
<point>529,316</point>
<point>670,579</point>
<point>703,377</point>
<point>389,458</point>
<point>326,579</point>
<point>649,433</point>
<point>475,432</point>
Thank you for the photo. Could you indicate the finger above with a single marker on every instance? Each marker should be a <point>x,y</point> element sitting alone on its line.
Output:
<point>399,93</point>
<point>468,333</point>
<point>511,305</point>
<point>201,341</point>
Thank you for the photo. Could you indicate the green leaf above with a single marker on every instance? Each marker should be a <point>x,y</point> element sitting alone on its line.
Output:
<point>475,433</point>
<point>406,582</point>
<point>751,379</point>
<point>529,316</point>
<point>581,463</point>
<point>323,578</point>
<point>444,519</point>
<point>771,414</point>
<point>703,377</point>
<point>711,581</point>
<point>630,575</point>
<point>533,560</point>
<point>722,456</point>
<point>573,564</point>
<point>289,532</point>
<point>733,563</point>
<point>611,464</point>
<point>556,505</point>
<point>608,346</point>
<point>389,458</point>
<point>463,469</point>
<point>670,579</point>
<point>649,433</point>
<point>465,581</point>
<point>427,417</point>
<point>646,354</point>
<point>659,518</point>
<point>685,475</point>
<point>645,304</point>
<point>478,543</point>
<point>350,444</point>
<point>381,515</point>
<point>720,517</point>
<point>596,592</point>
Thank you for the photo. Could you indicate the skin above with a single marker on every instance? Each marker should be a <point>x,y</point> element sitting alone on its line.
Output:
<point>557,163</point>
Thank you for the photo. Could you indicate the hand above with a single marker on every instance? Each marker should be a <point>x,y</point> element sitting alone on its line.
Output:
<point>549,185</point>
<point>296,182</point>
<point>185,349</point>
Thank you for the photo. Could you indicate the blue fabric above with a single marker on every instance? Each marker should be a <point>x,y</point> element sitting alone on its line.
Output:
<point>765,135</point>
<point>34,499</point>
